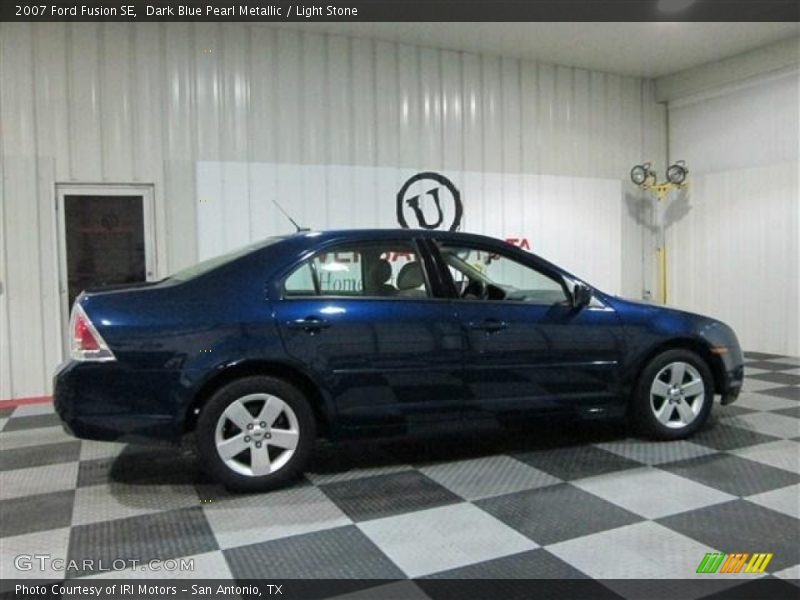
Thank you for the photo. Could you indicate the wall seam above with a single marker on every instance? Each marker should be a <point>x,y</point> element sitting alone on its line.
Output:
<point>4,282</point>
<point>37,191</point>
<point>100,29</point>
<point>133,65</point>
<point>68,62</point>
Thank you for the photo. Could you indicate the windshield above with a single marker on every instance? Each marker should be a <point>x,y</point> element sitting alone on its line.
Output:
<point>210,264</point>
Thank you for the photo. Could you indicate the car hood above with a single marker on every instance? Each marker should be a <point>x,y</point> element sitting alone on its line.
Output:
<point>674,321</point>
<point>621,303</point>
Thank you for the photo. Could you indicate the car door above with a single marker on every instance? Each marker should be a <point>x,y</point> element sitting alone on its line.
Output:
<point>363,316</point>
<point>526,346</point>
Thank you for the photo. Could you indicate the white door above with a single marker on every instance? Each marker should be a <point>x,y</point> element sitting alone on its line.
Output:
<point>106,237</point>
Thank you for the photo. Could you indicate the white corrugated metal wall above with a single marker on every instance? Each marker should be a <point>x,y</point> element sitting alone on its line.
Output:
<point>130,103</point>
<point>573,221</point>
<point>733,240</point>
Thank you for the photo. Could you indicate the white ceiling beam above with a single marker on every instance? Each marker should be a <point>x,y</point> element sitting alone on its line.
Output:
<point>771,59</point>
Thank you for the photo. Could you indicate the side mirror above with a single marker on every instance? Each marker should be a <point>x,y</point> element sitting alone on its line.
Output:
<point>581,295</point>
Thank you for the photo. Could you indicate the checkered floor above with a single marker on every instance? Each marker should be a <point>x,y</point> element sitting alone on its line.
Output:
<point>563,500</point>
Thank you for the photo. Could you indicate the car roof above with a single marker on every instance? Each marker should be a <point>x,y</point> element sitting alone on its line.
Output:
<point>386,233</point>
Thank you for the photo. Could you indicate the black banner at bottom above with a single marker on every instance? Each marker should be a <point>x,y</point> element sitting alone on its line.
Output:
<point>766,588</point>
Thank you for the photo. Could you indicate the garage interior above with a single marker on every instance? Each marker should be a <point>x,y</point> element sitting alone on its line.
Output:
<point>179,138</point>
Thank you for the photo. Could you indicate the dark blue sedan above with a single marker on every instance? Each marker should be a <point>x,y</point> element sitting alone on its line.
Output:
<point>376,332</point>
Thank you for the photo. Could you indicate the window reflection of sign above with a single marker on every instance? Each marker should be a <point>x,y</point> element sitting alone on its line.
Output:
<point>94,230</point>
<point>328,282</point>
<point>107,223</point>
<point>104,241</point>
<point>335,274</point>
<point>109,220</point>
<point>341,271</point>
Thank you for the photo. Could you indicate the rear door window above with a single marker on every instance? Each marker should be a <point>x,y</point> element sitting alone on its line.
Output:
<point>379,269</point>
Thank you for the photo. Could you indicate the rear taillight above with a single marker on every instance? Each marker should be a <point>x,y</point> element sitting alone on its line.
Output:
<point>85,343</point>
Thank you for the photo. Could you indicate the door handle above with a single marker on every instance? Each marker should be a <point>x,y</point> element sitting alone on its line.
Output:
<point>489,325</point>
<point>309,324</point>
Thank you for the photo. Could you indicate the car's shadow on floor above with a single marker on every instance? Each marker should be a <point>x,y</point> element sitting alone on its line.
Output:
<point>483,442</point>
<point>139,472</point>
<point>138,476</point>
<point>171,467</point>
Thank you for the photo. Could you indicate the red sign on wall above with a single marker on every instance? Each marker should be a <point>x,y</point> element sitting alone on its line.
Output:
<point>521,242</point>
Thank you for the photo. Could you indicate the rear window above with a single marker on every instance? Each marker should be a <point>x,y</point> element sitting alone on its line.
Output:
<point>210,264</point>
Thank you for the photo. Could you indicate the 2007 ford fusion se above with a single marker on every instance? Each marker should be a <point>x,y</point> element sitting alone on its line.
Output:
<point>343,333</point>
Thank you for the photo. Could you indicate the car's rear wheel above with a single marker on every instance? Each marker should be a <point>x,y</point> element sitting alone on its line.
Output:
<point>256,433</point>
<point>673,396</point>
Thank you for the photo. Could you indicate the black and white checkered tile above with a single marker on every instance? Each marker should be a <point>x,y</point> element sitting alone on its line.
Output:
<point>561,501</point>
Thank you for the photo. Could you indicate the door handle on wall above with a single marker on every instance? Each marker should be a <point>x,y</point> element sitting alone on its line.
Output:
<point>488,325</point>
<point>309,324</point>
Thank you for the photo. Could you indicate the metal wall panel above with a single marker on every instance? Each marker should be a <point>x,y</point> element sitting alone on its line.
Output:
<point>573,221</point>
<point>753,124</point>
<point>5,338</point>
<point>142,103</point>
<point>736,256</point>
<point>732,242</point>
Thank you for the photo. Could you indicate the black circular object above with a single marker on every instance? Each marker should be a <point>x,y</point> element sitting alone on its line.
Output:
<point>677,173</point>
<point>639,174</point>
<point>413,202</point>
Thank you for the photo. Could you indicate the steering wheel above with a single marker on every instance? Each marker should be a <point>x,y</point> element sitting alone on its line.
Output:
<point>476,289</point>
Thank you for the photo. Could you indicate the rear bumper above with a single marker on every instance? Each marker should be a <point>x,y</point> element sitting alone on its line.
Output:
<point>109,402</point>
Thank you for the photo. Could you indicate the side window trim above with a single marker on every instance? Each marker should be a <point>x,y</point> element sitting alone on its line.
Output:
<point>448,288</point>
<point>314,276</point>
<point>428,256</point>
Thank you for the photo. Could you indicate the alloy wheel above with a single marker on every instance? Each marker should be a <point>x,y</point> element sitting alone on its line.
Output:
<point>677,395</point>
<point>257,434</point>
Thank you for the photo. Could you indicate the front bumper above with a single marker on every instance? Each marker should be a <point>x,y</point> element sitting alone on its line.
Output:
<point>731,395</point>
<point>727,359</point>
<point>732,373</point>
<point>109,402</point>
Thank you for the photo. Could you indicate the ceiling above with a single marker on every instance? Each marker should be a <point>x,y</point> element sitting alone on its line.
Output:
<point>639,49</point>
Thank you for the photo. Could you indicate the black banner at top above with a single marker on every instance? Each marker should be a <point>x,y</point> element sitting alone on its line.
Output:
<point>399,10</point>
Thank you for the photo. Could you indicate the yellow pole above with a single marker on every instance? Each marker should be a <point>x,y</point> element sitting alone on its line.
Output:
<point>662,190</point>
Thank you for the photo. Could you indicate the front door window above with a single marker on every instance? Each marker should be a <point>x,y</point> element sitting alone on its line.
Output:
<point>487,275</point>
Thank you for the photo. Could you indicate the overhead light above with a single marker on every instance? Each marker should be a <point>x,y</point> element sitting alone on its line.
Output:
<point>677,173</point>
<point>674,5</point>
<point>641,173</point>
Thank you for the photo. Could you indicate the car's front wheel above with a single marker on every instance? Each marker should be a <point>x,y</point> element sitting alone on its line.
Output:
<point>255,433</point>
<point>673,396</point>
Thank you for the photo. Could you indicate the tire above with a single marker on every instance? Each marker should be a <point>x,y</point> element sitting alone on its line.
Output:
<point>254,422</point>
<point>661,411</point>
